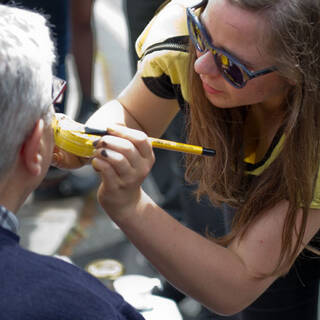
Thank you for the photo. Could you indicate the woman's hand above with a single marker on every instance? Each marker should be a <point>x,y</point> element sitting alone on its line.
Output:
<point>65,160</point>
<point>124,159</point>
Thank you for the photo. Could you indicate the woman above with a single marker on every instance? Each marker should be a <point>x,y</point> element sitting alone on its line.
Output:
<point>254,98</point>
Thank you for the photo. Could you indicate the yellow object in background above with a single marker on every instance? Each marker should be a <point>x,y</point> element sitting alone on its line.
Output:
<point>68,138</point>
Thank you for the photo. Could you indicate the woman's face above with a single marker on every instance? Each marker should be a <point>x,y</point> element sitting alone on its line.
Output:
<point>240,33</point>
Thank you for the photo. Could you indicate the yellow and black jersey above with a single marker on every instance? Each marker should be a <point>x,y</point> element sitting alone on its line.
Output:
<point>162,49</point>
<point>256,168</point>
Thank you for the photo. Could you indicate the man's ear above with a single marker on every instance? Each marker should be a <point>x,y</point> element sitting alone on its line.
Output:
<point>31,150</point>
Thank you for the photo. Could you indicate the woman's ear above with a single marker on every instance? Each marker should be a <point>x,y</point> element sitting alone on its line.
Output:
<point>31,150</point>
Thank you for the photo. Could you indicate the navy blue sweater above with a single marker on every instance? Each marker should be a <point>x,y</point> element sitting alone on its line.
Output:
<point>34,287</point>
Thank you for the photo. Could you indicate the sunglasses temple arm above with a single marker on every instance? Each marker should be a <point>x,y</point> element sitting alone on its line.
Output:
<point>262,72</point>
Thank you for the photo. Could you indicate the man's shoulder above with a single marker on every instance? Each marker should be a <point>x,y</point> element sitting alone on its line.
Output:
<point>41,287</point>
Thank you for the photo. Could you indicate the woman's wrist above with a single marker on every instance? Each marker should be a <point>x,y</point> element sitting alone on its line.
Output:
<point>124,214</point>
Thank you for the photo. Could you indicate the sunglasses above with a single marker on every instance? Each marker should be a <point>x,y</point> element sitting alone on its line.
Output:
<point>58,88</point>
<point>230,68</point>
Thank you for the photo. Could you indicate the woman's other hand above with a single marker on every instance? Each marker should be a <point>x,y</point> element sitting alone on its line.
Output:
<point>64,160</point>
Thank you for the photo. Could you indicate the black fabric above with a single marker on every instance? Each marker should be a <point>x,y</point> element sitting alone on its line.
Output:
<point>179,43</point>
<point>162,87</point>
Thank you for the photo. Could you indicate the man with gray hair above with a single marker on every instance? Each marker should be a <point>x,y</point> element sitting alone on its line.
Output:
<point>33,286</point>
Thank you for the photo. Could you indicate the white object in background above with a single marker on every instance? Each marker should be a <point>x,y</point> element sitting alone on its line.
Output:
<point>136,290</point>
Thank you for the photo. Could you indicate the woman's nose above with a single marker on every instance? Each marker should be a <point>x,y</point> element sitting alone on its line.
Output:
<point>205,64</point>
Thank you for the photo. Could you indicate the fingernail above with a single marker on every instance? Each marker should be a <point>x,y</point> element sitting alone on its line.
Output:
<point>104,153</point>
<point>104,144</point>
<point>95,142</point>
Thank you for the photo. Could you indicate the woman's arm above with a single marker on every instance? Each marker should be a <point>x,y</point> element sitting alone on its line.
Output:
<point>223,279</point>
<point>137,107</point>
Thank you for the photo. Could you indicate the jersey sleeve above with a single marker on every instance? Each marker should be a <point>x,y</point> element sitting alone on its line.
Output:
<point>162,49</point>
<point>315,204</point>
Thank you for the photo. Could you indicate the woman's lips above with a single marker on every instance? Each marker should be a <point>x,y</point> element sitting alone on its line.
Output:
<point>210,89</point>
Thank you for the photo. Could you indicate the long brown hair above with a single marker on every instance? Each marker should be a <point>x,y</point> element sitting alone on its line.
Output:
<point>294,43</point>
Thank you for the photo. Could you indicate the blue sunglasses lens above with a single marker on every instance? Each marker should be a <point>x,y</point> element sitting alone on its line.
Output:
<point>196,35</point>
<point>230,71</point>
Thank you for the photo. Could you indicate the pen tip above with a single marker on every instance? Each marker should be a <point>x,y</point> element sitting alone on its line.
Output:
<point>208,152</point>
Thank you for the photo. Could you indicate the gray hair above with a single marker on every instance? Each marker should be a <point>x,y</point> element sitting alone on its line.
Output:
<point>26,60</point>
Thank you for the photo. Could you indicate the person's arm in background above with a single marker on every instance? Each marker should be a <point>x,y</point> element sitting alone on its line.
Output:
<point>83,43</point>
<point>83,50</point>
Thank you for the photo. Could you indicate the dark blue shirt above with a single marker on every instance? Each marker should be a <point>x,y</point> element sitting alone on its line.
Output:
<point>38,287</point>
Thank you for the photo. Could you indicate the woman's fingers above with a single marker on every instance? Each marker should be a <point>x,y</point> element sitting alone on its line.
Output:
<point>130,172</point>
<point>117,160</point>
<point>128,152</point>
<point>123,159</point>
<point>138,138</point>
<point>110,177</point>
<point>126,148</point>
